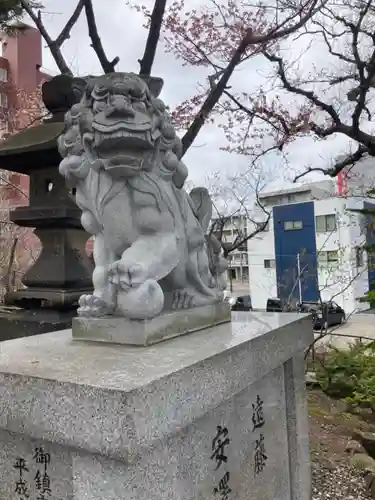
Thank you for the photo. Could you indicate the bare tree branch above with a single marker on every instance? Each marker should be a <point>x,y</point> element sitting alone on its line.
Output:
<point>215,94</point>
<point>302,92</point>
<point>96,44</point>
<point>54,45</point>
<point>14,186</point>
<point>337,126</point>
<point>278,33</point>
<point>242,212</point>
<point>65,33</point>
<point>339,166</point>
<point>153,38</point>
<point>252,113</point>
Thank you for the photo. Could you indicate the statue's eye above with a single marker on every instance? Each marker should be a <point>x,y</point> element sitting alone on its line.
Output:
<point>159,105</point>
<point>139,106</point>
<point>99,106</point>
<point>100,91</point>
<point>136,92</point>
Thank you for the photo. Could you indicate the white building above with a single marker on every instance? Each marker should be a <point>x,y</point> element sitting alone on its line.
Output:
<point>235,229</point>
<point>312,248</point>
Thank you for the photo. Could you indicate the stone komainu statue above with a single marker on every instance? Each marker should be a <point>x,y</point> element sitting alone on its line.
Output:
<point>152,252</point>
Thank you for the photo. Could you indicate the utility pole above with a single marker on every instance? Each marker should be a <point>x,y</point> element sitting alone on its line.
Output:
<point>230,273</point>
<point>299,278</point>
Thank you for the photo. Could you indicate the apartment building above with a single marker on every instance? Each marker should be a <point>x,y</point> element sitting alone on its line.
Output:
<point>232,229</point>
<point>312,248</point>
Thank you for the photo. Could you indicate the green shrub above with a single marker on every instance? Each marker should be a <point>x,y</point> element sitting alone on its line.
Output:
<point>350,375</point>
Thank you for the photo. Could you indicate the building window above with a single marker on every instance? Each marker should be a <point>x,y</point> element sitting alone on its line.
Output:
<point>3,75</point>
<point>269,263</point>
<point>3,100</point>
<point>290,225</point>
<point>328,259</point>
<point>325,223</point>
<point>277,200</point>
<point>359,257</point>
<point>333,257</point>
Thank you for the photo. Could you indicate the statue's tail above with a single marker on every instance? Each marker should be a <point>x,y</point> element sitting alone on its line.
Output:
<point>202,206</point>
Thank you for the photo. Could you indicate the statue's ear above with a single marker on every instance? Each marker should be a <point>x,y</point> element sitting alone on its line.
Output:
<point>155,84</point>
<point>78,87</point>
<point>57,93</point>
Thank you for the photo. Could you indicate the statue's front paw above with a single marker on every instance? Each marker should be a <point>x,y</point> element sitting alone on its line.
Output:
<point>126,275</point>
<point>93,306</point>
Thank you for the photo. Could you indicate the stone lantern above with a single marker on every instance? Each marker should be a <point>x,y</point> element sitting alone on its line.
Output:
<point>62,272</point>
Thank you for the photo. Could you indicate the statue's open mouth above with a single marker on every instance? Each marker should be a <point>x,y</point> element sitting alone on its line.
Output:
<point>123,148</point>
<point>124,145</point>
<point>123,139</point>
<point>116,146</point>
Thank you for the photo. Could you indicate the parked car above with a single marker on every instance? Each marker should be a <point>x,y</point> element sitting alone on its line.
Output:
<point>274,305</point>
<point>325,314</point>
<point>277,305</point>
<point>308,306</point>
<point>242,303</point>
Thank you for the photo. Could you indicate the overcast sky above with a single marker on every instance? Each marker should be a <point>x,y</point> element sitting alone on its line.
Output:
<point>122,35</point>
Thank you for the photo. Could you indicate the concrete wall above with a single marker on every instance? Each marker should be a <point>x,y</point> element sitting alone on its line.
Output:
<point>262,281</point>
<point>344,283</point>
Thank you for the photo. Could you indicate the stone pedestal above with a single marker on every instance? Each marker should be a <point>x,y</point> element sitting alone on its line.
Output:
<point>150,331</point>
<point>24,323</point>
<point>216,414</point>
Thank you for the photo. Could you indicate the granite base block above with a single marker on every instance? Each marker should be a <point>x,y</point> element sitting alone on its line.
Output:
<point>220,413</point>
<point>147,332</point>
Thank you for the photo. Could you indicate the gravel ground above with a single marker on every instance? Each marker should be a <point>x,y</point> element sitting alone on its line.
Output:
<point>337,483</point>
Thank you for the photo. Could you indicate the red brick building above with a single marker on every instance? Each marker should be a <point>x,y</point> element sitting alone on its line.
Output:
<point>21,75</point>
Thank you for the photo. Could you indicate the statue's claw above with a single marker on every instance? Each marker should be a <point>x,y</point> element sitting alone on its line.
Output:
<point>182,300</point>
<point>92,305</point>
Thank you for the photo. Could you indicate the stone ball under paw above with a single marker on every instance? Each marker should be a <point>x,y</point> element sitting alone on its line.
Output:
<point>143,302</point>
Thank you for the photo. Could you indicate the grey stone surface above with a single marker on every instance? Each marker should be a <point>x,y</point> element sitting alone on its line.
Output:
<point>153,250</point>
<point>150,331</point>
<point>181,467</point>
<point>57,471</point>
<point>140,422</point>
<point>297,426</point>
